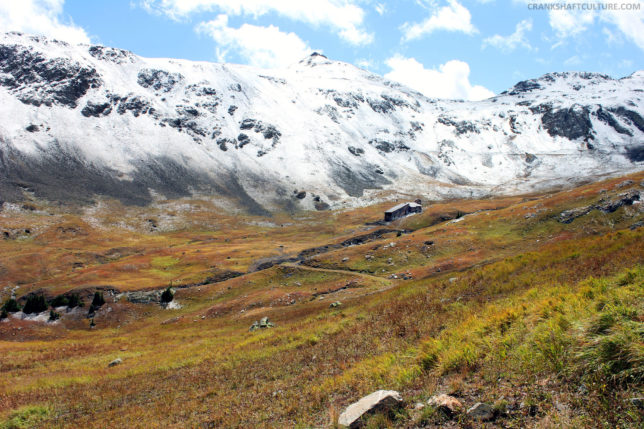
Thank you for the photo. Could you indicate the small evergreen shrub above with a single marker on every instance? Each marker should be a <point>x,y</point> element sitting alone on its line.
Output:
<point>11,306</point>
<point>53,315</point>
<point>98,300</point>
<point>75,301</point>
<point>167,295</point>
<point>35,304</point>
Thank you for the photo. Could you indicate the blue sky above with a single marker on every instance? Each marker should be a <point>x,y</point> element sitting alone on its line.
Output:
<point>444,48</point>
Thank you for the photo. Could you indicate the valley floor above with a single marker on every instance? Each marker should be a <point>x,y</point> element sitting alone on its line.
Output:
<point>531,304</point>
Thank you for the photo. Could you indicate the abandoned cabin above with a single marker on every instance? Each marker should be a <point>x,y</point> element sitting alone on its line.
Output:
<point>402,210</point>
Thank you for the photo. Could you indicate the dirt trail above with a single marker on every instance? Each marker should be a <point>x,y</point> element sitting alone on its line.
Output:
<point>330,270</point>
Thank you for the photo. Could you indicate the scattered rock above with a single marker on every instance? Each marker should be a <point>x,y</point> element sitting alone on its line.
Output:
<point>379,401</point>
<point>321,206</point>
<point>429,243</point>
<point>300,195</point>
<point>419,406</point>
<point>263,323</point>
<point>572,123</point>
<point>355,151</point>
<point>158,80</point>
<point>335,304</point>
<point>115,362</point>
<point>610,206</point>
<point>637,402</point>
<point>481,411</point>
<point>141,297</point>
<point>624,184</point>
<point>345,259</point>
<point>446,403</point>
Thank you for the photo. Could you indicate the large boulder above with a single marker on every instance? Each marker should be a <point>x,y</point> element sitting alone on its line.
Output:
<point>377,402</point>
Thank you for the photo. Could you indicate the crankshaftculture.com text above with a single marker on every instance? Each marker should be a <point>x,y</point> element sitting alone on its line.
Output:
<point>596,6</point>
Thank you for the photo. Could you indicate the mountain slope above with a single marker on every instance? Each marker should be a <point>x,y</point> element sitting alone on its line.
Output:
<point>80,121</point>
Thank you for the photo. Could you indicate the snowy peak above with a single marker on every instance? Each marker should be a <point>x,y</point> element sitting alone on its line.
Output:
<point>563,82</point>
<point>78,121</point>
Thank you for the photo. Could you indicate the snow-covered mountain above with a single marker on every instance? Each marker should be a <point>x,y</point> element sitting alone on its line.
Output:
<point>78,121</point>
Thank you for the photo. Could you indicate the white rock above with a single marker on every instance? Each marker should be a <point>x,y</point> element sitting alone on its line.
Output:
<point>449,404</point>
<point>380,400</point>
<point>115,362</point>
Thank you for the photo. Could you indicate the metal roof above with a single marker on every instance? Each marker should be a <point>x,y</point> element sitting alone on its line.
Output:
<point>401,205</point>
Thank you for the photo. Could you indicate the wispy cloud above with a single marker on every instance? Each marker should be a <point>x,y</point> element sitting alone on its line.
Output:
<point>514,40</point>
<point>344,17</point>
<point>453,17</point>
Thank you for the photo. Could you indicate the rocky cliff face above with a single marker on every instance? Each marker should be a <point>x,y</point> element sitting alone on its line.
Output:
<point>81,121</point>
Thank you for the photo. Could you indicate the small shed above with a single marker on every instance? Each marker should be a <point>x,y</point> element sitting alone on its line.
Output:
<point>402,210</point>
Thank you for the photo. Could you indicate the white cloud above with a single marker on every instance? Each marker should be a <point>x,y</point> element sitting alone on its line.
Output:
<point>450,80</point>
<point>514,40</point>
<point>629,22</point>
<point>453,17</point>
<point>570,23</point>
<point>343,16</point>
<point>266,47</point>
<point>381,8</point>
<point>40,17</point>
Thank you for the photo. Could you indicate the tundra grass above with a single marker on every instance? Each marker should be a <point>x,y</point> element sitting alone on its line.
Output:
<point>542,319</point>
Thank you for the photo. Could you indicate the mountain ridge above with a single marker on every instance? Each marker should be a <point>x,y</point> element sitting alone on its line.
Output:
<point>84,121</point>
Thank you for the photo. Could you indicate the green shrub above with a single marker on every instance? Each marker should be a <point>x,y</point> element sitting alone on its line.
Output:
<point>75,301</point>
<point>53,315</point>
<point>11,306</point>
<point>35,304</point>
<point>98,300</point>
<point>3,314</point>
<point>60,301</point>
<point>167,295</point>
<point>25,417</point>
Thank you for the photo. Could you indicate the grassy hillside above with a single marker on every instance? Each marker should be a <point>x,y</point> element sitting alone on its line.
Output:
<point>532,304</point>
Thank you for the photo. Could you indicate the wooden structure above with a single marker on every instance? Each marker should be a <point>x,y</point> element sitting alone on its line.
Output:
<point>402,210</point>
